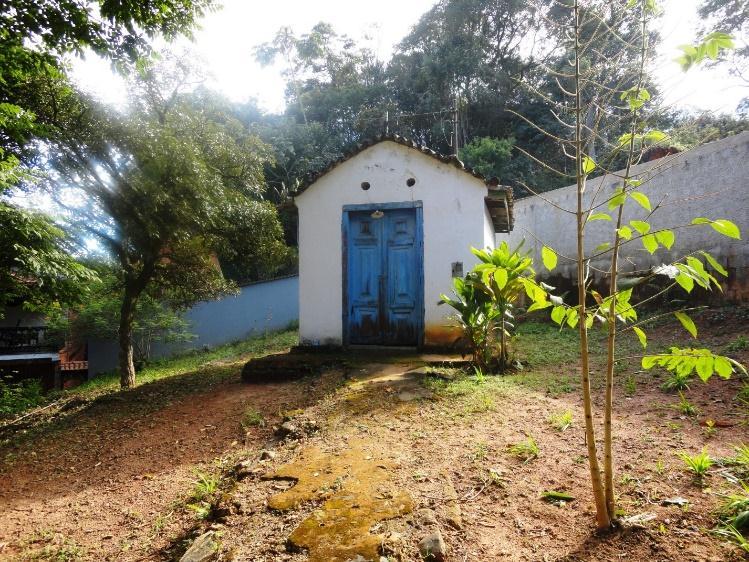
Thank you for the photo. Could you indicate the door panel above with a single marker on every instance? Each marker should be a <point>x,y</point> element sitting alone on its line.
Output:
<point>365,274</point>
<point>402,278</point>
<point>384,278</point>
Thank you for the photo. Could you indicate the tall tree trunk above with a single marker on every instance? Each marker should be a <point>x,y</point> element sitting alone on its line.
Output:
<point>602,515</point>
<point>127,316</point>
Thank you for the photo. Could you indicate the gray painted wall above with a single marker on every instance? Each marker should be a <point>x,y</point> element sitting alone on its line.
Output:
<point>710,181</point>
<point>258,308</point>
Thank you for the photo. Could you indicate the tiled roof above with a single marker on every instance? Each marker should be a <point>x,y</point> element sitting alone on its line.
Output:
<point>499,201</point>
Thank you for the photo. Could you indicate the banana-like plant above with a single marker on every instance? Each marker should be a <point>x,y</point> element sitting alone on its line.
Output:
<point>486,298</point>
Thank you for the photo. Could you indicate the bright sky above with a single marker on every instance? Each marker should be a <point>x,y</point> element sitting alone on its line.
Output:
<point>228,36</point>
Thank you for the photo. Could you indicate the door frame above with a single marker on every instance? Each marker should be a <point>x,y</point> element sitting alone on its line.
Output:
<point>345,223</point>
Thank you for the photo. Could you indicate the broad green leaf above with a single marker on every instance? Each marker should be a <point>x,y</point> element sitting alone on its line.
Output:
<point>599,217</point>
<point>625,232</point>
<point>558,313</point>
<point>642,199</point>
<point>549,258</point>
<point>723,367</point>
<point>687,322</point>
<point>500,277</point>
<point>641,336</point>
<point>588,165</point>
<point>685,281</point>
<point>572,317</point>
<point>726,228</point>
<point>620,196</point>
<point>685,361</point>
<point>539,305</point>
<point>640,226</point>
<point>666,238</point>
<point>650,243</point>
<point>705,368</point>
<point>701,220</point>
<point>714,264</point>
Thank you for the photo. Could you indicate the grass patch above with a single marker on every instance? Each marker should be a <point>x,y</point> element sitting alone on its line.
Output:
<point>542,343</point>
<point>164,368</point>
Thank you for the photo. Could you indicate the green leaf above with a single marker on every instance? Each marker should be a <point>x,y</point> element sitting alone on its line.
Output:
<point>650,243</point>
<point>640,226</point>
<point>687,322</point>
<point>685,281</point>
<point>558,314</point>
<point>599,217</point>
<point>602,247</point>
<point>666,238</point>
<point>620,196</point>
<point>705,367</point>
<point>588,165</point>
<point>701,220</point>
<point>714,264</point>
<point>642,199</point>
<point>539,305</point>
<point>549,258</point>
<point>726,228</point>
<point>500,277</point>
<point>723,367</point>
<point>625,232</point>
<point>641,336</point>
<point>654,136</point>
<point>572,317</point>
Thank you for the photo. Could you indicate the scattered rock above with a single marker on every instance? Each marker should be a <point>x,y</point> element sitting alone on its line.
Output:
<point>675,501</point>
<point>203,549</point>
<point>297,429</point>
<point>243,469</point>
<point>453,513</point>
<point>267,455</point>
<point>426,517</point>
<point>432,547</point>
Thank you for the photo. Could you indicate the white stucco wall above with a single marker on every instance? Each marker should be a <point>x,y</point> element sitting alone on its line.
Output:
<point>710,181</point>
<point>454,220</point>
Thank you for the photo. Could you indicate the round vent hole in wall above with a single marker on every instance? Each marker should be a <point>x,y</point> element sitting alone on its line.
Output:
<point>410,182</point>
<point>365,185</point>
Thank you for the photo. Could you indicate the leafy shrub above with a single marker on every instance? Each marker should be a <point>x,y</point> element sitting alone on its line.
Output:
<point>15,397</point>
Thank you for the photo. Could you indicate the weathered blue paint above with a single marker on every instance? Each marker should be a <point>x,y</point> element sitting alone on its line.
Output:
<point>383,274</point>
<point>258,308</point>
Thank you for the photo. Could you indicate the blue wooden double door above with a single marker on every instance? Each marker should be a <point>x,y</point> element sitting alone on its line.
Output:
<point>384,277</point>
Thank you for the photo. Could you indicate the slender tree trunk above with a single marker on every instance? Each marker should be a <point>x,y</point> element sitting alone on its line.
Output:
<point>127,316</point>
<point>602,515</point>
<point>608,437</point>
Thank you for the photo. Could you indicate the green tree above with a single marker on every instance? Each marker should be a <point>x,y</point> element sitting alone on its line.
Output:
<point>161,185</point>
<point>155,318</point>
<point>488,156</point>
<point>617,309</point>
<point>37,269</point>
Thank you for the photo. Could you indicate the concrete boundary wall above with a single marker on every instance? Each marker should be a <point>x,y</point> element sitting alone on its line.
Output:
<point>710,181</point>
<point>261,307</point>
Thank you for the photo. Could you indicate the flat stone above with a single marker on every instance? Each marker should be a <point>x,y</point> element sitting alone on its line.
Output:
<point>432,547</point>
<point>203,549</point>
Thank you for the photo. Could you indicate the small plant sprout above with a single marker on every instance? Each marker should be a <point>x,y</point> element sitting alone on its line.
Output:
<point>630,385</point>
<point>710,430</point>
<point>660,467</point>
<point>698,464</point>
<point>675,382</point>
<point>252,418</point>
<point>561,421</point>
<point>733,516</point>
<point>685,407</point>
<point>526,450</point>
<point>480,451</point>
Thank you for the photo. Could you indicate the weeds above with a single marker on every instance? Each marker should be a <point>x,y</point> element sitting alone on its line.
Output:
<point>710,430</point>
<point>561,421</point>
<point>202,497</point>
<point>252,418</point>
<point>526,450</point>
<point>480,451</point>
<point>739,344</point>
<point>733,515</point>
<point>15,397</point>
<point>698,464</point>
<point>685,407</point>
<point>630,385</point>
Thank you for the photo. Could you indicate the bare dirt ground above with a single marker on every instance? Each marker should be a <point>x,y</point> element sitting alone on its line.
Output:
<point>115,488</point>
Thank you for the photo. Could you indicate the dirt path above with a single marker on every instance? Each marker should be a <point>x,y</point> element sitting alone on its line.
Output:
<point>106,489</point>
